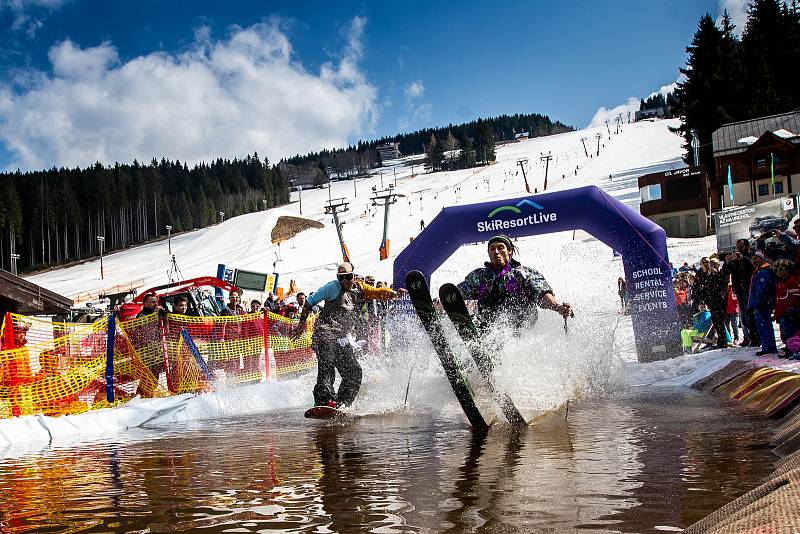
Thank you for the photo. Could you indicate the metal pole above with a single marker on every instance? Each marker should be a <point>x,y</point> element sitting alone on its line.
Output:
<point>300,196</point>
<point>345,256</point>
<point>100,240</point>
<point>169,239</point>
<point>395,175</point>
<point>546,159</point>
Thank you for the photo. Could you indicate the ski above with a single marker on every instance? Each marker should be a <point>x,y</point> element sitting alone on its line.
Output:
<point>453,303</point>
<point>420,295</point>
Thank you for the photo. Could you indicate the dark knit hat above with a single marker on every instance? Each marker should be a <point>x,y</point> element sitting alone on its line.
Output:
<point>500,238</point>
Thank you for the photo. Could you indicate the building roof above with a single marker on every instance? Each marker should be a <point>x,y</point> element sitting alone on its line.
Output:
<point>27,298</point>
<point>736,137</point>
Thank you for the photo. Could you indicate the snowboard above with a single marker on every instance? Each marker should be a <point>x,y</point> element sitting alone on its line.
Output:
<point>456,309</point>
<point>420,295</point>
<point>328,413</point>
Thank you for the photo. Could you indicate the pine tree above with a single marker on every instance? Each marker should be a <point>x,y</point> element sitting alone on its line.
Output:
<point>467,156</point>
<point>434,154</point>
<point>697,95</point>
<point>765,59</point>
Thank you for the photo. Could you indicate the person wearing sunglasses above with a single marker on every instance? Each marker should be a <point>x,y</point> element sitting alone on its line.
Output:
<point>333,340</point>
<point>787,300</point>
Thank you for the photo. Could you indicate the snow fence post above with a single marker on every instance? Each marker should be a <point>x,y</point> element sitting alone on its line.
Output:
<point>111,334</point>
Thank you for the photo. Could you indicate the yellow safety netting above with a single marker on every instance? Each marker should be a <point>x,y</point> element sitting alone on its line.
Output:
<point>59,368</point>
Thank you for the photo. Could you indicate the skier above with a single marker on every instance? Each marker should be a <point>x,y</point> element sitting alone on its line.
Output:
<point>504,286</point>
<point>332,340</point>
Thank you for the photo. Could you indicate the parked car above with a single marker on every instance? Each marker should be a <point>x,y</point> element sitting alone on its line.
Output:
<point>766,223</point>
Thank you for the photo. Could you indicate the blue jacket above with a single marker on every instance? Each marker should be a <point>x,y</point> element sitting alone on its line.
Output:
<point>762,289</point>
<point>701,321</point>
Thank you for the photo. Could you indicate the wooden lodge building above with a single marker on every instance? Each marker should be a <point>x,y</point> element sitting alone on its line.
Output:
<point>681,201</point>
<point>750,148</point>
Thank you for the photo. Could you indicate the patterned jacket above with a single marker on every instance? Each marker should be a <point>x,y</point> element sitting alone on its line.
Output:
<point>515,291</point>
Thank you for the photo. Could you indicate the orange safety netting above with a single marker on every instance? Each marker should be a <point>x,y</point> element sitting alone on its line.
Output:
<point>49,367</point>
<point>291,355</point>
<point>59,368</point>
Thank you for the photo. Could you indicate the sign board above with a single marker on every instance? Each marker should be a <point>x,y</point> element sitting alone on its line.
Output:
<point>752,220</point>
<point>251,280</point>
<point>272,283</point>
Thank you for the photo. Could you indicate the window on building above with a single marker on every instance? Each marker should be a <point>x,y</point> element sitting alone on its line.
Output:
<point>650,192</point>
<point>763,162</point>
<point>778,187</point>
<point>763,190</point>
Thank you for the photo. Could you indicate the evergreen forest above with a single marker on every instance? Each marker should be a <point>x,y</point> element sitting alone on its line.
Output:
<point>731,78</point>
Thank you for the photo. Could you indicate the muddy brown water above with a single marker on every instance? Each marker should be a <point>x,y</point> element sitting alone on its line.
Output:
<point>640,461</point>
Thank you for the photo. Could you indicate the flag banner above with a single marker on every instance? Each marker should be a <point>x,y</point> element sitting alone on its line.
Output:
<point>730,184</point>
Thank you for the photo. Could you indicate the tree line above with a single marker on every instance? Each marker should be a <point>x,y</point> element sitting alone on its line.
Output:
<point>730,79</point>
<point>55,216</point>
<point>452,153</point>
<point>359,158</point>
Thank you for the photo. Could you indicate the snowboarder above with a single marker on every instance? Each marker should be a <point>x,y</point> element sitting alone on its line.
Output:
<point>504,286</point>
<point>332,340</point>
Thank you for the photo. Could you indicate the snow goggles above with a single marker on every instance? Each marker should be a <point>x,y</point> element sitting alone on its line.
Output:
<point>345,276</point>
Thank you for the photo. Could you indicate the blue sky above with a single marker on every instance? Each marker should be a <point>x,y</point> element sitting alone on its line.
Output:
<point>110,80</point>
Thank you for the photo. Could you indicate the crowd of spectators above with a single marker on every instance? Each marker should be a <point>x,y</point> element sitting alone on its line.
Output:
<point>751,289</point>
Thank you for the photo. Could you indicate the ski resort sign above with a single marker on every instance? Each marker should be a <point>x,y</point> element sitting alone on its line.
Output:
<point>642,244</point>
<point>499,224</point>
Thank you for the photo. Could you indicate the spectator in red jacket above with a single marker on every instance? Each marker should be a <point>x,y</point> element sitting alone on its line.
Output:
<point>787,300</point>
<point>732,318</point>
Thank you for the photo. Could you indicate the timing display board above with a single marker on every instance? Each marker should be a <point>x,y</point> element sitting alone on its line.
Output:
<point>250,280</point>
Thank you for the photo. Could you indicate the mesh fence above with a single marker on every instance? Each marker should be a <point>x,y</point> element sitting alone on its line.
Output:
<point>60,368</point>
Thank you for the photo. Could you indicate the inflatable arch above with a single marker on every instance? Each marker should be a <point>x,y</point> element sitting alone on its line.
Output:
<point>642,243</point>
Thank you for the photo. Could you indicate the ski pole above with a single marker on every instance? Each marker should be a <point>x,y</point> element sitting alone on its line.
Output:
<point>408,385</point>
<point>571,314</point>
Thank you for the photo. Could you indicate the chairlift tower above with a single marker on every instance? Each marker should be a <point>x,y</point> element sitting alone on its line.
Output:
<point>385,198</point>
<point>334,207</point>
<point>522,162</point>
<point>583,142</point>
<point>598,136</point>
<point>546,158</point>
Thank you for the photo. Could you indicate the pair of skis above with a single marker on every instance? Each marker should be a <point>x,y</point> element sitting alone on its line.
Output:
<point>456,309</point>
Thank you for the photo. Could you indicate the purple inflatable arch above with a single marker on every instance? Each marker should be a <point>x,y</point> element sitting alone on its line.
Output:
<point>642,243</point>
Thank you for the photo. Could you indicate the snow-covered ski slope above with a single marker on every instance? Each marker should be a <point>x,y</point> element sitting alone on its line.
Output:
<point>311,257</point>
<point>539,370</point>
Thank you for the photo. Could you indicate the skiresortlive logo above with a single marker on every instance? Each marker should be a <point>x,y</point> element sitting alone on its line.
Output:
<point>537,217</point>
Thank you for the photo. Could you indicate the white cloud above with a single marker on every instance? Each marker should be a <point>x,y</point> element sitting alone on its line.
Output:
<point>603,114</point>
<point>414,89</point>
<point>737,11</point>
<point>22,13</point>
<point>415,113</point>
<point>222,98</point>
<point>75,63</point>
